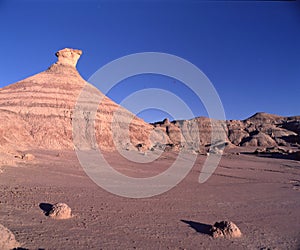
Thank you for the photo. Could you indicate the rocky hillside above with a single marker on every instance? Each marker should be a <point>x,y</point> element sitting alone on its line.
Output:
<point>43,111</point>
<point>260,130</point>
<point>38,111</point>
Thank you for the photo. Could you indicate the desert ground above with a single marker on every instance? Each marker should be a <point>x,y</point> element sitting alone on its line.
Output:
<point>259,194</point>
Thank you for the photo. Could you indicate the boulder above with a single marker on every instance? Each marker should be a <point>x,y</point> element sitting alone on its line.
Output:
<point>60,211</point>
<point>225,229</point>
<point>28,157</point>
<point>7,239</point>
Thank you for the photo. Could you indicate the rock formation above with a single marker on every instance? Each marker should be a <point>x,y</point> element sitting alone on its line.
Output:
<point>40,111</point>
<point>260,130</point>
<point>37,112</point>
<point>264,130</point>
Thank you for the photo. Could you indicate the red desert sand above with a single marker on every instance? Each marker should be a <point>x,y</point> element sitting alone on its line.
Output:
<point>259,194</point>
<point>253,194</point>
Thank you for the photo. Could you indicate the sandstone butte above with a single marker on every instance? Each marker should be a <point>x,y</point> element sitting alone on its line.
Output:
<point>39,113</point>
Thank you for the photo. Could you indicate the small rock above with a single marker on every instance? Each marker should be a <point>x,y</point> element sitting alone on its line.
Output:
<point>28,157</point>
<point>60,211</point>
<point>225,229</point>
<point>216,151</point>
<point>7,239</point>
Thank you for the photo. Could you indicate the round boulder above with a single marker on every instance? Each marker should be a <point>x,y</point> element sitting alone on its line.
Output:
<point>225,229</point>
<point>28,157</point>
<point>60,211</point>
<point>7,239</point>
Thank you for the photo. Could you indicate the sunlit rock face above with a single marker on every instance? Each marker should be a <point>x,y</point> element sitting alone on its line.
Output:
<point>38,112</point>
<point>57,109</point>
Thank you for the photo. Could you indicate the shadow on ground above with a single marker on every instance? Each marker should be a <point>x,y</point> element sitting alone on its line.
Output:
<point>46,207</point>
<point>22,248</point>
<point>199,227</point>
<point>277,155</point>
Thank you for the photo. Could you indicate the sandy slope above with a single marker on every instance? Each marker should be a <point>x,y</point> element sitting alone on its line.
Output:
<point>261,195</point>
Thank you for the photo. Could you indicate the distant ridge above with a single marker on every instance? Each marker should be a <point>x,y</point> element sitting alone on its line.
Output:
<point>263,116</point>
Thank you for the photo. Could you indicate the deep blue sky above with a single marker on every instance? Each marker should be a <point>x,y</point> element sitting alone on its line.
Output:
<point>250,50</point>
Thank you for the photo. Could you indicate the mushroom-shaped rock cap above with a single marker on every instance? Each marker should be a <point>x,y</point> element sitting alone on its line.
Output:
<point>68,56</point>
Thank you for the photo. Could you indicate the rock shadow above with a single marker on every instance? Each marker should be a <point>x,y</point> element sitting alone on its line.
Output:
<point>199,227</point>
<point>46,207</point>
<point>277,155</point>
<point>22,248</point>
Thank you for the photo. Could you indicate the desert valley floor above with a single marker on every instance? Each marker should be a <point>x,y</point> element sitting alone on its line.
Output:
<point>261,195</point>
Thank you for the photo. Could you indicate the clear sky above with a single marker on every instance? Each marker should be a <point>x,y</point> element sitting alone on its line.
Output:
<point>250,50</point>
